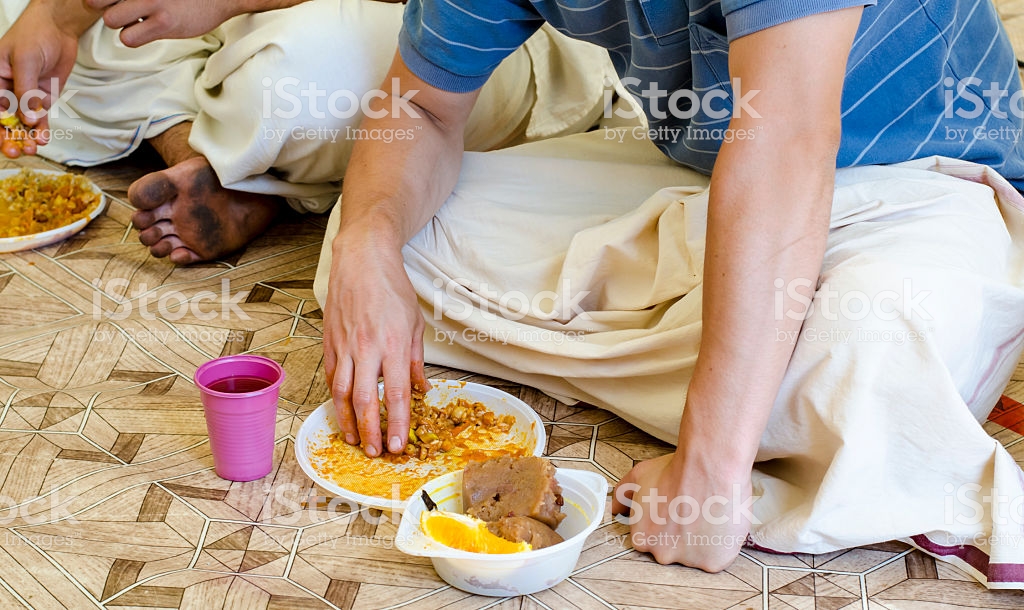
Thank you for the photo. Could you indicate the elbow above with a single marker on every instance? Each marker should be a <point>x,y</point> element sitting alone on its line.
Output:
<point>816,142</point>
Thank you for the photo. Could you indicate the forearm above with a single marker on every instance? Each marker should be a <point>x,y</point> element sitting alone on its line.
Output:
<point>769,207</point>
<point>391,190</point>
<point>767,225</point>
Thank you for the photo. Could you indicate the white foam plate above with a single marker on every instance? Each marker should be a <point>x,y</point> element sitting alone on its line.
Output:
<point>39,240</point>
<point>321,423</point>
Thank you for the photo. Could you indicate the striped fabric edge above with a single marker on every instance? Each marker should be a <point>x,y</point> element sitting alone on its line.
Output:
<point>974,561</point>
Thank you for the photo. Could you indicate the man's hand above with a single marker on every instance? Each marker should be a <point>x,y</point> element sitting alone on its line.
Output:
<point>380,329</point>
<point>684,511</point>
<point>372,321</point>
<point>36,56</point>
<point>143,21</point>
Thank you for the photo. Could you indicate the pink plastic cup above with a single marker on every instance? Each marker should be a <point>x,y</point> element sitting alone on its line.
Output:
<point>240,402</point>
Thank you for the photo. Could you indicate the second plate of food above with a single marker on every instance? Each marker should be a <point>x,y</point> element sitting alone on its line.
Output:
<point>40,207</point>
<point>455,422</point>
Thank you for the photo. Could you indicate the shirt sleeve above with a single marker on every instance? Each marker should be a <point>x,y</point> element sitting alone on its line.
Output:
<point>455,45</point>
<point>744,17</point>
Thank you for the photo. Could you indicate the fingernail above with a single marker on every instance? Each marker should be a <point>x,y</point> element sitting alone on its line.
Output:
<point>395,444</point>
<point>351,439</point>
<point>370,450</point>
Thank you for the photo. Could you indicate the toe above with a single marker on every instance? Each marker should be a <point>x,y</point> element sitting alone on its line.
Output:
<point>151,191</point>
<point>184,256</point>
<point>143,220</point>
<point>165,246</point>
<point>151,235</point>
<point>160,250</point>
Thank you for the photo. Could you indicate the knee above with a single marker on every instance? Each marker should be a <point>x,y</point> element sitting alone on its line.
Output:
<point>943,319</point>
<point>885,301</point>
<point>357,39</point>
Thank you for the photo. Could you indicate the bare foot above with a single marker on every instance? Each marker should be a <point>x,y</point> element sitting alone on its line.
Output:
<point>184,213</point>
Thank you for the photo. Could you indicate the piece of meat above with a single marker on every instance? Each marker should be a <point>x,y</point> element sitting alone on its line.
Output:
<point>513,487</point>
<point>525,529</point>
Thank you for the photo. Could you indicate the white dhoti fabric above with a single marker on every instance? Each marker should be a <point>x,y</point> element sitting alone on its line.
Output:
<point>243,84</point>
<point>875,434</point>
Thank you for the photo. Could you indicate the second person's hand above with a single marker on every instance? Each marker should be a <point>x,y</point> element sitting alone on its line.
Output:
<point>143,21</point>
<point>37,55</point>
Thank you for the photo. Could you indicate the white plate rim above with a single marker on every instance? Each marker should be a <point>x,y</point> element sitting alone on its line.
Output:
<point>47,238</point>
<point>306,430</point>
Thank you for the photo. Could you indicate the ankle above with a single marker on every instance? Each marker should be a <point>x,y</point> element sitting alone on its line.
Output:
<point>172,145</point>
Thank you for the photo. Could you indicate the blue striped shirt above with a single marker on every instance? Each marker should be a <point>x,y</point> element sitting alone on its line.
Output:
<point>924,77</point>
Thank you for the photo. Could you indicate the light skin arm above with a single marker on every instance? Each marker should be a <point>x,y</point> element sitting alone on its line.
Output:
<point>178,19</point>
<point>372,322</point>
<point>41,46</point>
<point>769,206</point>
<point>43,43</point>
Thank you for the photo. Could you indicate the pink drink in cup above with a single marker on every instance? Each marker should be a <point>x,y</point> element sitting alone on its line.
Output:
<point>240,402</point>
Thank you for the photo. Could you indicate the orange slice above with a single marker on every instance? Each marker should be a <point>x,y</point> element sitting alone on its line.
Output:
<point>466,533</point>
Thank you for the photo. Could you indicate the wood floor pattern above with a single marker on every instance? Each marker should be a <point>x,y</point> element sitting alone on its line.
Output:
<point>108,499</point>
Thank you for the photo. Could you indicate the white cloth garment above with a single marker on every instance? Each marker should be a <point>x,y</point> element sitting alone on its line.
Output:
<point>875,434</point>
<point>243,84</point>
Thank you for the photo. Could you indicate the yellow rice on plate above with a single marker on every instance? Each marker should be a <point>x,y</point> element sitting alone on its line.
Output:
<point>33,202</point>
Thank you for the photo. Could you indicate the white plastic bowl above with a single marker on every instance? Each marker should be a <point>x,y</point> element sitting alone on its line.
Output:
<point>320,424</point>
<point>513,574</point>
